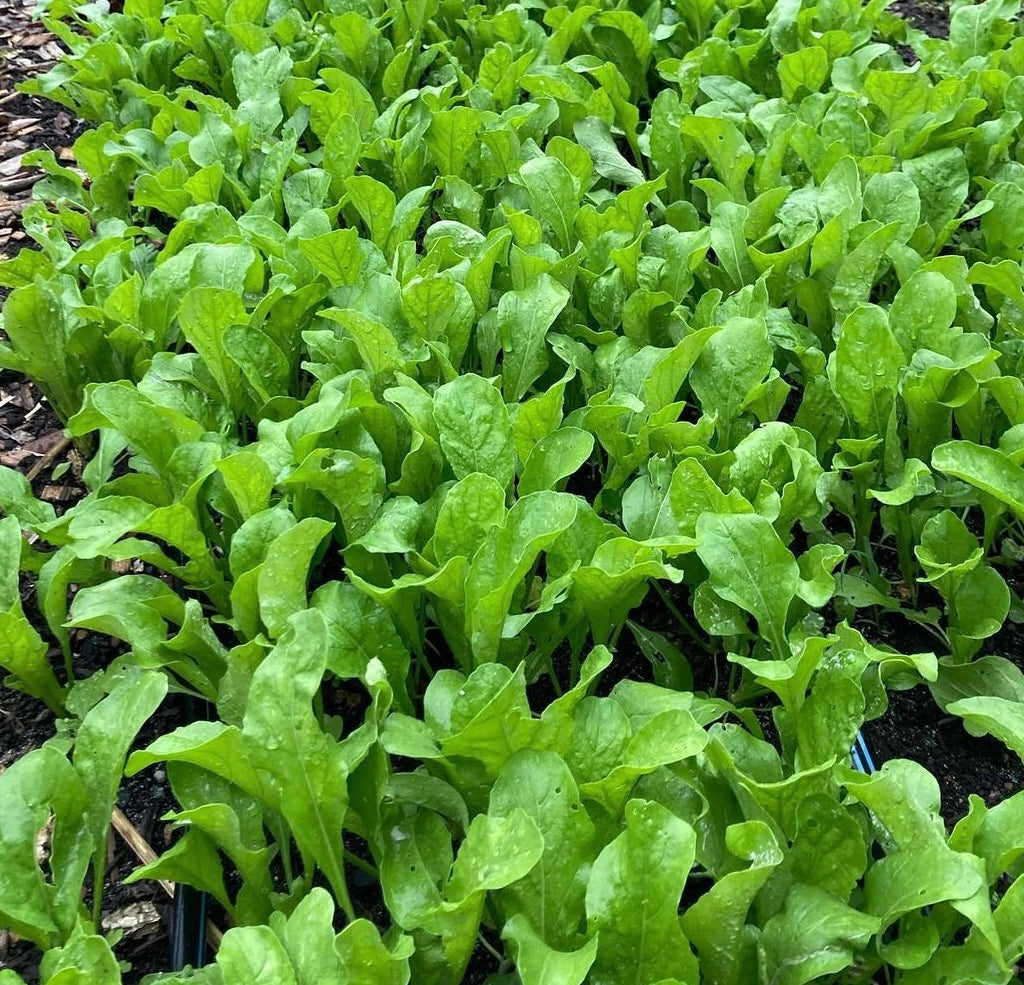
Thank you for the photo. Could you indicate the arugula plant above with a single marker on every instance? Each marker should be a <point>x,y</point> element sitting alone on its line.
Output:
<point>76,795</point>
<point>411,344</point>
<point>559,843</point>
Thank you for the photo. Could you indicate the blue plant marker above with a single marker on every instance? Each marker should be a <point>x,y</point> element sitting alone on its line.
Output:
<point>860,756</point>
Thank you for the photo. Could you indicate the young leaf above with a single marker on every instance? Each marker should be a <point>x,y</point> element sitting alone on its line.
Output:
<point>538,963</point>
<point>22,650</point>
<point>750,566</point>
<point>633,899</point>
<point>551,895</point>
<point>474,428</point>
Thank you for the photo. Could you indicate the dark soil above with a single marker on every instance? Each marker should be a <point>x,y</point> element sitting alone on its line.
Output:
<point>914,728</point>
<point>930,16</point>
<point>141,910</point>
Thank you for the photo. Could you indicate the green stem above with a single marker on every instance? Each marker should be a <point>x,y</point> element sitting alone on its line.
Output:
<point>99,872</point>
<point>361,863</point>
<point>685,623</point>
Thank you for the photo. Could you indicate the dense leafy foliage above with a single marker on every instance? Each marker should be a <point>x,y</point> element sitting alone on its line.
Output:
<point>415,344</point>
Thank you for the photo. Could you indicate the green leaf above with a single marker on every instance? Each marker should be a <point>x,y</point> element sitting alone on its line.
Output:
<point>248,955</point>
<point>725,147</point>
<point>489,718</point>
<point>495,853</point>
<point>366,960</point>
<point>864,370</point>
<point>505,558</point>
<point>633,898</point>
<point>814,935</point>
<point>924,876</point>
<point>594,136</point>
<point>538,963</point>
<point>474,428</point>
<point>1000,717</point>
<point>943,180</point>
<point>987,469</point>
<point>16,498</point>
<point>103,741</point>
<point>523,320</point>
<point>452,138</point>
<point>806,68</point>
<point>732,363</point>
<point>556,456</point>
<point>40,784</point>
<point>306,768</point>
<point>551,895</point>
<point>417,859</point>
<point>717,923</point>
<point>554,198</point>
<point>651,511</point>
<point>282,576</point>
<point>859,270</point>
<point>205,315</point>
<point>359,630</point>
<point>192,860</point>
<point>915,480</point>
<point>750,566</point>
<point>830,848</point>
<point>440,309</point>
<point>308,937</point>
<point>22,651</point>
<point>336,255</point>
<point>375,203</point>
<point>155,432</point>
<point>86,959</point>
<point>473,506</point>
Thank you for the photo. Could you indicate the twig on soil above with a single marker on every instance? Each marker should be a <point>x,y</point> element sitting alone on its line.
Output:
<point>48,459</point>
<point>145,854</point>
<point>139,845</point>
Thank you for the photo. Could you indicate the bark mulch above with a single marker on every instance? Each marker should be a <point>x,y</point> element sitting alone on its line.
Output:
<point>26,122</point>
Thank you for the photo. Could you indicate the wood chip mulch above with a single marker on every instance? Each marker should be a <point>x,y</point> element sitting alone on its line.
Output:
<point>26,122</point>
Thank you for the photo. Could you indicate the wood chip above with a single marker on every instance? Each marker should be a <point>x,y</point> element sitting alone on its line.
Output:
<point>48,442</point>
<point>58,494</point>
<point>14,457</point>
<point>42,845</point>
<point>136,918</point>
<point>20,183</point>
<point>25,397</point>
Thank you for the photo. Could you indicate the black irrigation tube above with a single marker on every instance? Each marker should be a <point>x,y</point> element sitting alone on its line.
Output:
<point>188,917</point>
<point>188,928</point>
<point>188,920</point>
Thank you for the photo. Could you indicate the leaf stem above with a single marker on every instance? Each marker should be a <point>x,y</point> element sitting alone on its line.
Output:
<point>99,871</point>
<point>362,864</point>
<point>685,623</point>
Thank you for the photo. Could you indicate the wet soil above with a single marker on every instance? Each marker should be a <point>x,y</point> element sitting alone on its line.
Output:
<point>930,16</point>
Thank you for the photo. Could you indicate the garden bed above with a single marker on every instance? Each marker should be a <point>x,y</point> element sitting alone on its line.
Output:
<point>651,647</point>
